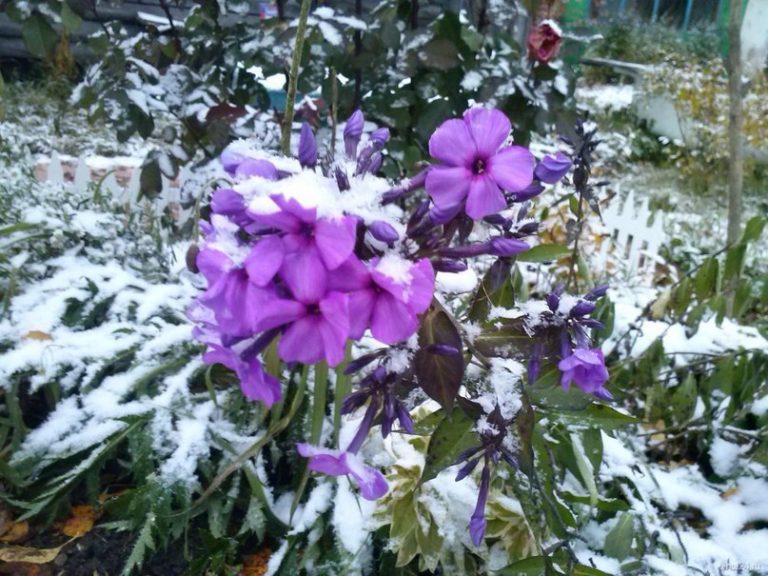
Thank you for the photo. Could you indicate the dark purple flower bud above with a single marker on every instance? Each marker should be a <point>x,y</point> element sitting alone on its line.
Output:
<point>191,258</point>
<point>551,169</point>
<point>496,220</point>
<point>499,273</point>
<point>507,246</point>
<point>527,229</point>
<point>582,308</point>
<point>404,417</point>
<point>307,147</point>
<point>353,131</point>
<point>592,323</point>
<point>534,364</point>
<point>532,191</point>
<point>441,349</point>
<point>341,179</point>
<point>477,522</point>
<point>565,344</point>
<point>405,188</point>
<point>580,335</point>
<point>354,401</point>
<point>553,301</point>
<point>466,251</point>
<point>379,137</point>
<point>467,469</point>
<point>597,292</point>
<point>523,211</point>
<point>388,415</point>
<point>365,425</point>
<point>383,232</point>
<point>446,265</point>
<point>374,165</point>
<point>362,362</point>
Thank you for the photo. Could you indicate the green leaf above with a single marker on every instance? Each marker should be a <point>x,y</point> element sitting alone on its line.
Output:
<point>533,566</point>
<point>684,399</point>
<point>582,570</point>
<point>705,281</point>
<point>586,471</point>
<point>451,437</point>
<point>734,262</point>
<point>439,376</point>
<point>753,229</point>
<point>598,415</point>
<point>618,542</point>
<point>544,253</point>
<point>151,179</point>
<point>39,36</point>
<point>69,18</point>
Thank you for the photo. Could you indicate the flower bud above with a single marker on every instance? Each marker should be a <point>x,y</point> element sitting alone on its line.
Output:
<point>341,179</point>
<point>307,147</point>
<point>447,265</point>
<point>379,137</point>
<point>582,308</point>
<point>533,190</point>
<point>597,292</point>
<point>383,232</point>
<point>507,246</point>
<point>353,131</point>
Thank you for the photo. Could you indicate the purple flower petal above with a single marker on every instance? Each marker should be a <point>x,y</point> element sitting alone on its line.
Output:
<point>227,202</point>
<point>352,275</point>
<point>448,186</point>
<point>371,482</point>
<point>422,286</point>
<point>212,264</point>
<point>452,144</point>
<point>477,529</point>
<point>335,240</point>
<point>255,167</point>
<point>302,341</point>
<point>305,275</point>
<point>276,312</point>
<point>230,160</point>
<point>323,460</point>
<point>489,129</point>
<point>292,206</point>
<point>334,327</point>
<point>264,260</point>
<point>507,246</point>
<point>587,369</point>
<point>484,198</point>
<point>361,304</point>
<point>353,130</point>
<point>392,320</point>
<point>551,169</point>
<point>512,168</point>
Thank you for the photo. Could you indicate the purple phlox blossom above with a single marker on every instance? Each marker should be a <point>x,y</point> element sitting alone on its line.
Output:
<point>495,446</point>
<point>475,168</point>
<point>307,147</point>
<point>353,131</point>
<point>388,296</point>
<point>551,169</point>
<point>371,482</point>
<point>310,247</point>
<point>586,368</point>
<point>230,204</point>
<point>255,382</point>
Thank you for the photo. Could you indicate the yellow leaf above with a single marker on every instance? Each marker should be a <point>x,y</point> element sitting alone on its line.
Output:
<point>16,532</point>
<point>80,522</point>
<point>256,564</point>
<point>37,335</point>
<point>31,555</point>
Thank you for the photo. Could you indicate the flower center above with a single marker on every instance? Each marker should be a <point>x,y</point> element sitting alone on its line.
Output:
<point>479,166</point>
<point>313,310</point>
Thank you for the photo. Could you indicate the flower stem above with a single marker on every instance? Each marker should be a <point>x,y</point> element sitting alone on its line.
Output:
<point>340,392</point>
<point>293,79</point>
<point>318,402</point>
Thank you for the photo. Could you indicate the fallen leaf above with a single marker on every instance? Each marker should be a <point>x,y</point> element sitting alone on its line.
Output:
<point>22,569</point>
<point>28,554</point>
<point>730,493</point>
<point>16,532</point>
<point>256,564</point>
<point>37,335</point>
<point>80,521</point>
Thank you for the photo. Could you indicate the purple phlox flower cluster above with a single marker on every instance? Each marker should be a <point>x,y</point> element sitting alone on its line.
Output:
<point>284,257</point>
<point>377,390</point>
<point>477,167</point>
<point>579,363</point>
<point>496,444</point>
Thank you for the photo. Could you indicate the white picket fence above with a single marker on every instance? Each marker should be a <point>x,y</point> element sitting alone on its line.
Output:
<point>118,178</point>
<point>632,246</point>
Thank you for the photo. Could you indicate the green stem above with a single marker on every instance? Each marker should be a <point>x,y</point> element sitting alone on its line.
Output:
<point>341,390</point>
<point>293,79</point>
<point>318,402</point>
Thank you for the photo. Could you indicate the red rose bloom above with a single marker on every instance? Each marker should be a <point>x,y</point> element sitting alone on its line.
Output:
<point>544,42</point>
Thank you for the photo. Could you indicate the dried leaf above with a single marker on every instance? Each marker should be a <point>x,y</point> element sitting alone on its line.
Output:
<point>28,554</point>
<point>256,564</point>
<point>80,522</point>
<point>17,531</point>
<point>37,335</point>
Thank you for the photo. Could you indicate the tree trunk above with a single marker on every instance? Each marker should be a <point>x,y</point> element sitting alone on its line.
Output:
<point>735,123</point>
